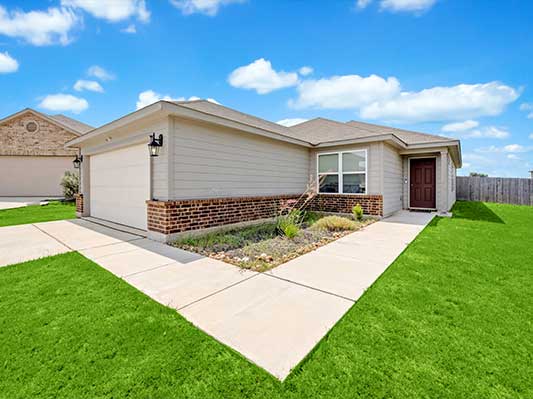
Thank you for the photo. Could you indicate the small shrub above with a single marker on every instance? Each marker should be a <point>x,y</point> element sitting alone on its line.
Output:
<point>311,218</point>
<point>70,183</point>
<point>357,212</point>
<point>291,230</point>
<point>335,223</point>
<point>289,225</point>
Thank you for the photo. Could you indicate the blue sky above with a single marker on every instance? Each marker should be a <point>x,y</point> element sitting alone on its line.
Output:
<point>451,67</point>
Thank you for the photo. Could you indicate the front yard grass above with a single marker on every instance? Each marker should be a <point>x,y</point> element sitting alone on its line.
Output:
<point>55,210</point>
<point>451,318</point>
<point>262,247</point>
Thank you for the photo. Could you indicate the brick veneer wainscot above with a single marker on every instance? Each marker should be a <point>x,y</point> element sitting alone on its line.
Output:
<point>79,203</point>
<point>169,217</point>
<point>343,203</point>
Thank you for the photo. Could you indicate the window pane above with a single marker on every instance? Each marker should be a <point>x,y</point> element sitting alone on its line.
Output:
<point>353,161</point>
<point>329,183</point>
<point>328,163</point>
<point>353,184</point>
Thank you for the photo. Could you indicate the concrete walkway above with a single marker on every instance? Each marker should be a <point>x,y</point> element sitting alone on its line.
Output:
<point>19,202</point>
<point>274,319</point>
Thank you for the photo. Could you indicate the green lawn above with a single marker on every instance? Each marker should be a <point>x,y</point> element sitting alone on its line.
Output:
<point>451,318</point>
<point>36,213</point>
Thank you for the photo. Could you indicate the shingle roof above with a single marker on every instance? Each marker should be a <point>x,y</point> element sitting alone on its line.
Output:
<point>315,131</point>
<point>73,124</point>
<point>321,130</point>
<point>406,136</point>
<point>221,111</point>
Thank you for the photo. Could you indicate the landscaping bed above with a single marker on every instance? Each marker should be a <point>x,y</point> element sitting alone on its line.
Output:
<point>267,245</point>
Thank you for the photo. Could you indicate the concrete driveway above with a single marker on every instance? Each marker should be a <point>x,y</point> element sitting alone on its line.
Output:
<point>19,202</point>
<point>274,319</point>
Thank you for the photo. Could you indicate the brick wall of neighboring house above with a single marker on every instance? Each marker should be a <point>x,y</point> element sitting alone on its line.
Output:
<point>79,203</point>
<point>343,203</point>
<point>49,139</point>
<point>170,217</point>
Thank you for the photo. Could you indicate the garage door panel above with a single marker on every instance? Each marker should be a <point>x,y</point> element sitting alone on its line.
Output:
<point>120,185</point>
<point>26,176</point>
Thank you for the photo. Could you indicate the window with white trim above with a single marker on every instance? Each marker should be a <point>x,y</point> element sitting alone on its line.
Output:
<point>342,172</point>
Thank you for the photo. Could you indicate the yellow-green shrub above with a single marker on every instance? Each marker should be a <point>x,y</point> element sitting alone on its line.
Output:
<point>335,223</point>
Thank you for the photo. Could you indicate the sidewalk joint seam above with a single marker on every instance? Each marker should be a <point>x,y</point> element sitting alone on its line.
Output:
<point>217,292</point>
<point>54,238</point>
<point>147,270</point>
<point>308,286</point>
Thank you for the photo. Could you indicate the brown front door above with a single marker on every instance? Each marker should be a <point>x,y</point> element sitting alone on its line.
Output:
<point>422,193</point>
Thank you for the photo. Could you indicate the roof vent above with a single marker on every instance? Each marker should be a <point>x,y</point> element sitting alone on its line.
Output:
<point>32,127</point>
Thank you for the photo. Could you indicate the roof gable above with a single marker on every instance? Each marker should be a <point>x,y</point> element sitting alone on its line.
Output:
<point>64,122</point>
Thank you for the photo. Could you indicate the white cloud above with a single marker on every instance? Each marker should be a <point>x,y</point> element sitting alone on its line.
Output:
<point>90,85</point>
<point>513,156</point>
<point>488,132</point>
<point>527,107</point>
<point>344,92</point>
<point>531,136</point>
<point>206,7</point>
<point>64,102</point>
<point>148,97</point>
<point>112,10</point>
<point>510,148</point>
<point>261,77</point>
<point>406,5</point>
<point>305,70</point>
<point>460,126</point>
<point>291,121</point>
<point>363,3</point>
<point>443,103</point>
<point>39,28</point>
<point>466,130</point>
<point>415,6</point>
<point>100,73</point>
<point>7,63</point>
<point>129,29</point>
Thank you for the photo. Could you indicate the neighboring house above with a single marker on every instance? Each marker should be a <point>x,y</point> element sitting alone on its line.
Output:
<point>218,166</point>
<point>33,157</point>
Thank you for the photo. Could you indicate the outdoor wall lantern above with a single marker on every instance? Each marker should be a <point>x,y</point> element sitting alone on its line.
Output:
<point>77,161</point>
<point>155,144</point>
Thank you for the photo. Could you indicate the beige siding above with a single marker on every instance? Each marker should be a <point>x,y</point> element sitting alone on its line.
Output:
<point>137,133</point>
<point>452,176</point>
<point>374,164</point>
<point>211,161</point>
<point>33,176</point>
<point>392,180</point>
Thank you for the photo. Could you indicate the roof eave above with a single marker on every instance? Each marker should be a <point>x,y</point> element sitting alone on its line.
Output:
<point>393,139</point>
<point>168,108</point>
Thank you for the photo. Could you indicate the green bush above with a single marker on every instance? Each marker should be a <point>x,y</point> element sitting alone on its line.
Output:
<point>357,212</point>
<point>310,218</point>
<point>70,183</point>
<point>335,223</point>
<point>289,225</point>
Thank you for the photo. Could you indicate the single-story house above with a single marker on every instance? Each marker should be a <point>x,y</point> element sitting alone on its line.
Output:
<point>33,157</point>
<point>217,166</point>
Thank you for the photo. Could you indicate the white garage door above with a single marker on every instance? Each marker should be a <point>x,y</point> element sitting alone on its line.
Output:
<point>120,185</point>
<point>32,176</point>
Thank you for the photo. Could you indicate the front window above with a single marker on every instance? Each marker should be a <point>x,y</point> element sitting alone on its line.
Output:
<point>342,172</point>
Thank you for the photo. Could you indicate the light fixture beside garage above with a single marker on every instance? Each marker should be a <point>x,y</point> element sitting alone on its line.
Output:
<point>77,161</point>
<point>155,144</point>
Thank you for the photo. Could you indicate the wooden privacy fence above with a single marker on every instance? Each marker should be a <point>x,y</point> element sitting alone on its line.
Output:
<point>504,190</point>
